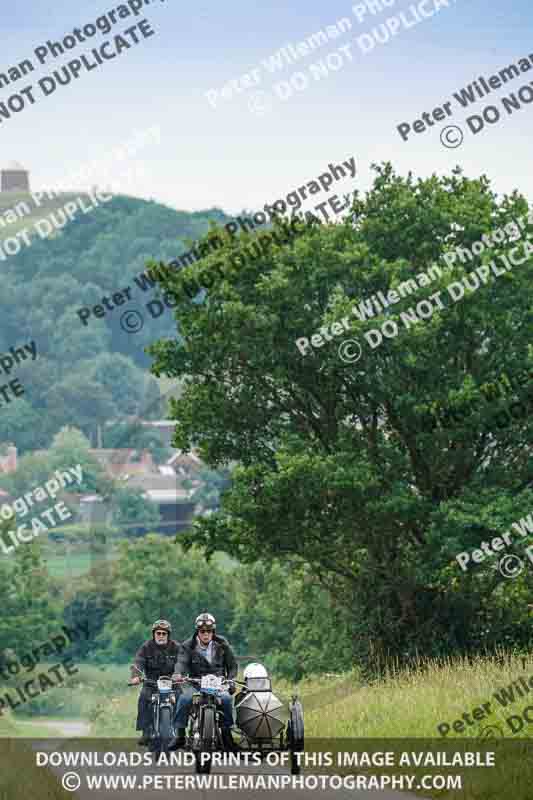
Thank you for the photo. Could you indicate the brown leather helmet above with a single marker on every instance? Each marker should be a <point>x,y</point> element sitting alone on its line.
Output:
<point>161,625</point>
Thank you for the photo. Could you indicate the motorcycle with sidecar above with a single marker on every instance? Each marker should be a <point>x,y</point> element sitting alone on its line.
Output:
<point>263,724</point>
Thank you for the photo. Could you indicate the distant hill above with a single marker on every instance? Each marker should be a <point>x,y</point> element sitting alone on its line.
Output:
<point>74,379</point>
<point>102,247</point>
<point>27,212</point>
<point>19,210</point>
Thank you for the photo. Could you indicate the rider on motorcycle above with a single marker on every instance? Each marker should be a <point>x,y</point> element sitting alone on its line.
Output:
<point>205,653</point>
<point>156,657</point>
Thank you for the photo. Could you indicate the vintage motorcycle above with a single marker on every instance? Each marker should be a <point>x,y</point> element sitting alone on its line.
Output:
<point>163,703</point>
<point>203,734</point>
<point>262,722</point>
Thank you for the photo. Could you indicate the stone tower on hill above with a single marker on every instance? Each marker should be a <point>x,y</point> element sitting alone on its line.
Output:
<point>14,178</point>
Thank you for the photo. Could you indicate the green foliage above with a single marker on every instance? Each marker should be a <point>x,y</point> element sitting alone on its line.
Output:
<point>91,601</point>
<point>213,484</point>
<point>337,468</point>
<point>153,406</point>
<point>28,598</point>
<point>21,423</point>
<point>69,448</point>
<point>287,619</point>
<point>77,400</point>
<point>122,379</point>
<point>74,379</point>
<point>137,436</point>
<point>133,511</point>
<point>153,578</point>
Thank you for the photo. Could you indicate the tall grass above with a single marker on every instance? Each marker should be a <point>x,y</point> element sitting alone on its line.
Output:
<point>413,701</point>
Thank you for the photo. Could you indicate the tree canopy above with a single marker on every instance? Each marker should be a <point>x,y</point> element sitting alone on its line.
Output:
<point>337,466</point>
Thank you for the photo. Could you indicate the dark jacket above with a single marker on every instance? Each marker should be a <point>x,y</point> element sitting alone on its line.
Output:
<point>191,662</point>
<point>155,661</point>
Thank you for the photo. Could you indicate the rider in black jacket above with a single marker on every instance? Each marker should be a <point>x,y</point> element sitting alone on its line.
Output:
<point>204,653</point>
<point>156,657</point>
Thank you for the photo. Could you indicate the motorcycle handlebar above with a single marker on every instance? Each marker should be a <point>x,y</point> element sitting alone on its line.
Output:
<point>150,681</point>
<point>198,681</point>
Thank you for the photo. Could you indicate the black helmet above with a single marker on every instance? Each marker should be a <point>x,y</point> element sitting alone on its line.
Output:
<point>161,625</point>
<point>205,620</point>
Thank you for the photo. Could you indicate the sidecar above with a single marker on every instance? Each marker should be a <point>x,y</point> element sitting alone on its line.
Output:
<point>265,723</point>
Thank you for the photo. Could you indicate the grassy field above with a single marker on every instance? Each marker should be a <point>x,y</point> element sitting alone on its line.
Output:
<point>77,559</point>
<point>69,564</point>
<point>79,697</point>
<point>74,560</point>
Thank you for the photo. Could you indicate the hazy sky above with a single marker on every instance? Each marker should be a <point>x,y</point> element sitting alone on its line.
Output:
<point>234,157</point>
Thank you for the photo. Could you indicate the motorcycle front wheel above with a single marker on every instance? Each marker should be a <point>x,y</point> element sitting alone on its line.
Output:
<point>209,726</point>
<point>207,735</point>
<point>165,728</point>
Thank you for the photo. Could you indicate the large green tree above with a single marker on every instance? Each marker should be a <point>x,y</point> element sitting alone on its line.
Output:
<point>338,466</point>
<point>29,596</point>
<point>79,401</point>
<point>21,423</point>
